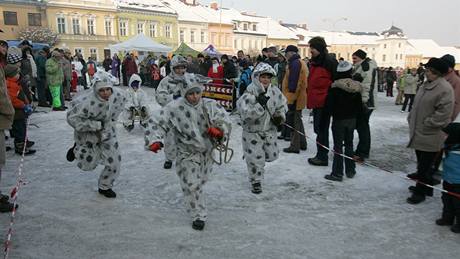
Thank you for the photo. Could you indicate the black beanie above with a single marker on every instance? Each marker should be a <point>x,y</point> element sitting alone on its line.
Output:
<point>318,43</point>
<point>438,64</point>
<point>360,53</point>
<point>291,48</point>
<point>449,60</point>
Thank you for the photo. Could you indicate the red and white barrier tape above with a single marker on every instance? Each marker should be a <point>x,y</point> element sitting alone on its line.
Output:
<point>457,195</point>
<point>14,195</point>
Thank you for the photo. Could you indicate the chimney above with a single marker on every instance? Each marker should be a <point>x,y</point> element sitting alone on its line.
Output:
<point>214,5</point>
<point>302,25</point>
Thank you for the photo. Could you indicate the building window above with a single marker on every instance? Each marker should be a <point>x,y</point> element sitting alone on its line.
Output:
<point>168,30</point>
<point>61,25</point>
<point>79,51</point>
<point>76,25</point>
<point>235,26</point>
<point>203,37</point>
<point>384,46</point>
<point>245,26</point>
<point>123,30</point>
<point>396,57</point>
<point>384,58</point>
<point>152,30</point>
<point>93,53</point>
<point>400,56</point>
<point>399,45</point>
<point>140,28</point>
<point>35,19</point>
<point>192,36</point>
<point>182,36</point>
<point>108,27</point>
<point>254,27</point>
<point>91,27</point>
<point>10,18</point>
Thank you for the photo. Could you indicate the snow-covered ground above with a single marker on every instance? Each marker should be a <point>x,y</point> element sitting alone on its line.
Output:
<point>298,215</point>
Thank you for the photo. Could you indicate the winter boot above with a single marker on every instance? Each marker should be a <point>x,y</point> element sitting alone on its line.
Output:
<point>4,198</point>
<point>30,143</point>
<point>109,193</point>
<point>456,227</point>
<point>6,207</point>
<point>350,174</point>
<point>256,188</point>
<point>333,177</point>
<point>416,198</point>
<point>198,224</point>
<point>291,150</point>
<point>413,176</point>
<point>71,154</point>
<point>19,148</point>
<point>317,162</point>
<point>445,220</point>
<point>167,164</point>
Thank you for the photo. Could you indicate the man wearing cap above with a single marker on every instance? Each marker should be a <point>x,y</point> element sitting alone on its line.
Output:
<point>295,91</point>
<point>6,121</point>
<point>322,73</point>
<point>368,70</point>
<point>55,77</point>
<point>94,116</point>
<point>454,80</point>
<point>197,124</point>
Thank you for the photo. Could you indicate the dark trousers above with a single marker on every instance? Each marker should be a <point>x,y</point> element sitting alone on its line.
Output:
<point>342,132</point>
<point>451,204</point>
<point>425,171</point>
<point>41,90</point>
<point>18,130</point>
<point>408,98</point>
<point>298,141</point>
<point>364,133</point>
<point>286,132</point>
<point>390,88</point>
<point>321,122</point>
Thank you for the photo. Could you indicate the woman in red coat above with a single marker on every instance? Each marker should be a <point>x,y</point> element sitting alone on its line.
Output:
<point>216,72</point>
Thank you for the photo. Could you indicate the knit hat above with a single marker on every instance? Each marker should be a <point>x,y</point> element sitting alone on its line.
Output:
<point>318,43</point>
<point>225,56</point>
<point>344,66</point>
<point>449,60</point>
<point>103,79</point>
<point>11,70</point>
<point>291,48</point>
<point>178,61</point>
<point>360,54</point>
<point>438,64</point>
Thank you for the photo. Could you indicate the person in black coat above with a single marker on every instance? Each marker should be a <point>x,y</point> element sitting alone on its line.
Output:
<point>230,73</point>
<point>344,104</point>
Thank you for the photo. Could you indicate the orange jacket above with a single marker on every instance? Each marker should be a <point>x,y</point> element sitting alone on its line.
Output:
<point>17,97</point>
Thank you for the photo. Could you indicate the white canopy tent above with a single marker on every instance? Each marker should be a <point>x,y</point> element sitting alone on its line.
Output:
<point>140,42</point>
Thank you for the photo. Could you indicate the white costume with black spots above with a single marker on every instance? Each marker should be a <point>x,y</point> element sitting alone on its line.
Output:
<point>94,121</point>
<point>259,131</point>
<point>136,100</point>
<point>189,126</point>
<point>168,90</point>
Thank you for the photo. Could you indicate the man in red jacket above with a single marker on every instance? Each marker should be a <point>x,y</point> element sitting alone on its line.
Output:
<point>322,73</point>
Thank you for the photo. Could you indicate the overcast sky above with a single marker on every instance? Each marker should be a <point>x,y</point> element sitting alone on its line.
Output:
<point>438,20</point>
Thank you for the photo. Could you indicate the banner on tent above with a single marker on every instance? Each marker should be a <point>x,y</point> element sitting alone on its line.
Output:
<point>222,93</point>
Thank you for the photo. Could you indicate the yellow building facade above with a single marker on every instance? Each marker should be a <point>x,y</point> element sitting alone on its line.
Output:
<point>19,15</point>
<point>86,27</point>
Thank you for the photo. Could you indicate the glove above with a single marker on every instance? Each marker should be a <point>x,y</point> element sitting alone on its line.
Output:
<point>132,108</point>
<point>262,99</point>
<point>176,96</point>
<point>215,133</point>
<point>28,109</point>
<point>155,147</point>
<point>277,120</point>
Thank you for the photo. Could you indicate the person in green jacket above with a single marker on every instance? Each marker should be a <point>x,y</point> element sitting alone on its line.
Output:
<point>55,76</point>
<point>401,85</point>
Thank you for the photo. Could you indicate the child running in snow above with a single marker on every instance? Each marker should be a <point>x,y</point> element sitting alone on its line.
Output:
<point>94,115</point>
<point>451,178</point>
<point>137,104</point>
<point>262,110</point>
<point>196,124</point>
<point>344,103</point>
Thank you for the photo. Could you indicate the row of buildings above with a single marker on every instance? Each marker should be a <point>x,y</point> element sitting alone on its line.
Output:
<point>91,26</point>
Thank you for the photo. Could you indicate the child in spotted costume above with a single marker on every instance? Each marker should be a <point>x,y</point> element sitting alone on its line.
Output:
<point>168,90</point>
<point>262,110</point>
<point>93,115</point>
<point>196,124</point>
<point>137,104</point>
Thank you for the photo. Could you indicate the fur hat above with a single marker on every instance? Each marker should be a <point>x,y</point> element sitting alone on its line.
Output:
<point>360,53</point>
<point>344,66</point>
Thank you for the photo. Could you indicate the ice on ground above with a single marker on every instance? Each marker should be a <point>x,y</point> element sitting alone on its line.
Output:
<point>298,215</point>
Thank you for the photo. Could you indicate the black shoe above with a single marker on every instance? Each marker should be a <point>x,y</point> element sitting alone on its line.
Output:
<point>415,198</point>
<point>303,148</point>
<point>70,154</point>
<point>19,148</point>
<point>445,221</point>
<point>350,174</point>
<point>281,137</point>
<point>256,188</point>
<point>58,109</point>
<point>198,224</point>
<point>4,198</point>
<point>7,207</point>
<point>428,193</point>
<point>291,150</point>
<point>167,164</point>
<point>108,193</point>
<point>317,162</point>
<point>413,176</point>
<point>30,143</point>
<point>288,139</point>
<point>333,177</point>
